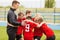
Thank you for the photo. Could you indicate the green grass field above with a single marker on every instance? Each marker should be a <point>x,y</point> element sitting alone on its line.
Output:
<point>3,34</point>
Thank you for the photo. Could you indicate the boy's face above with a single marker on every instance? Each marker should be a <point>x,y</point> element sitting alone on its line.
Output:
<point>21,16</point>
<point>37,20</point>
<point>29,14</point>
<point>28,19</point>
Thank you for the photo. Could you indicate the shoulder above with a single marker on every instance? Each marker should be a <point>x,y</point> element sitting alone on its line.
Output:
<point>10,11</point>
<point>44,24</point>
<point>33,19</point>
<point>23,18</point>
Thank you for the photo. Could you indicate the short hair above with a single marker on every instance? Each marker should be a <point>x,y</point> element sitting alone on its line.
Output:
<point>28,11</point>
<point>19,14</point>
<point>28,17</point>
<point>15,2</point>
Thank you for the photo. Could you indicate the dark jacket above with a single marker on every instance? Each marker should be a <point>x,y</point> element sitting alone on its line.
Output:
<point>12,18</point>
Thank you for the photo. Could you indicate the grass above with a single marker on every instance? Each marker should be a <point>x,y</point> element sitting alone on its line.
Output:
<point>3,34</point>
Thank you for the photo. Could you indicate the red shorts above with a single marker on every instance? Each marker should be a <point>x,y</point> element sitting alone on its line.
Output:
<point>28,38</point>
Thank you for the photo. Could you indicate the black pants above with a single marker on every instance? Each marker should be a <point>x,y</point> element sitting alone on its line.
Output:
<point>11,31</point>
<point>37,37</point>
<point>18,37</point>
<point>51,38</point>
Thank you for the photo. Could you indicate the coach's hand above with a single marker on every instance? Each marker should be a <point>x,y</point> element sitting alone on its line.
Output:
<point>23,23</point>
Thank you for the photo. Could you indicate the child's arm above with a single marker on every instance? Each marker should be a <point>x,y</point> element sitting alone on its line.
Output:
<point>38,25</point>
<point>41,24</point>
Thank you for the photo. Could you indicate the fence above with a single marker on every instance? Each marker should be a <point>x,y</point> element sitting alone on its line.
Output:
<point>50,15</point>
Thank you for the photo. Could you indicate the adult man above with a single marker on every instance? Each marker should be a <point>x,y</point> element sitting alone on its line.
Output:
<point>12,21</point>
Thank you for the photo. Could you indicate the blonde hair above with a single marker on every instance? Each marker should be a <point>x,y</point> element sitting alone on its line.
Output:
<point>37,16</point>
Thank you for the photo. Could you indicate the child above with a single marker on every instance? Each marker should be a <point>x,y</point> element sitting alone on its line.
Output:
<point>19,29</point>
<point>45,29</point>
<point>28,13</point>
<point>37,31</point>
<point>28,27</point>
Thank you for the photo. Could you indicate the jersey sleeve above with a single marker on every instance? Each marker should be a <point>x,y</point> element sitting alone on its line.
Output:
<point>34,24</point>
<point>33,19</point>
<point>24,19</point>
<point>18,20</point>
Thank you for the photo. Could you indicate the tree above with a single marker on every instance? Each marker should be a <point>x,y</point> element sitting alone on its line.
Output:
<point>49,3</point>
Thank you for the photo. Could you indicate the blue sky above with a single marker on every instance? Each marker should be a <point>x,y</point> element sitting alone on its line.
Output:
<point>29,3</point>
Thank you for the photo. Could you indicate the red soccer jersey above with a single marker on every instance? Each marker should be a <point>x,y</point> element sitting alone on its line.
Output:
<point>27,31</point>
<point>33,19</point>
<point>46,30</point>
<point>38,32</point>
<point>20,29</point>
<point>43,29</point>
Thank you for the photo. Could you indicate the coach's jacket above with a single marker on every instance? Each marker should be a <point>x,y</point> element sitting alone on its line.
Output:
<point>12,18</point>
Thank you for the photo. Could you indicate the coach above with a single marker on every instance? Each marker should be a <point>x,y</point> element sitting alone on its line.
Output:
<point>12,21</point>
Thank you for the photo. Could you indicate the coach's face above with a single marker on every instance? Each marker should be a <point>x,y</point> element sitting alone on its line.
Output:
<point>16,6</point>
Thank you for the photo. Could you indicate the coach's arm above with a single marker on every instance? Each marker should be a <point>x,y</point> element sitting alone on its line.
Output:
<point>12,19</point>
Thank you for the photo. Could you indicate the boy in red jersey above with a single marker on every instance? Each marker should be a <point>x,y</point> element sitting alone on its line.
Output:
<point>19,29</point>
<point>44,29</point>
<point>37,31</point>
<point>28,27</point>
<point>29,13</point>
